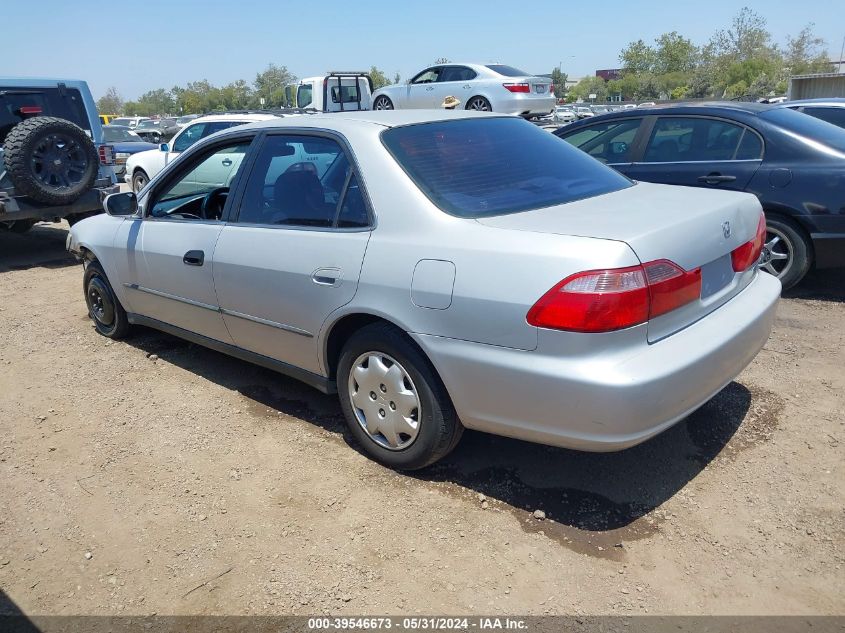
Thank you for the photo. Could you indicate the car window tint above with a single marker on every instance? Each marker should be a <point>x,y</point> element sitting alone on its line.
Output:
<point>353,209</point>
<point>831,115</point>
<point>609,142</point>
<point>348,94</point>
<point>806,129</point>
<point>188,137</point>
<point>507,71</point>
<point>493,166</point>
<point>213,170</point>
<point>684,139</point>
<point>456,73</point>
<point>750,147</point>
<point>296,181</point>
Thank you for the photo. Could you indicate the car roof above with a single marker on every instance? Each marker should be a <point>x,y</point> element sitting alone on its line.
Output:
<point>836,102</point>
<point>250,118</point>
<point>383,118</point>
<point>698,107</point>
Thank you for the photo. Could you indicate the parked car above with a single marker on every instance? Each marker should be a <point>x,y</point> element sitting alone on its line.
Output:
<point>182,121</point>
<point>125,143</point>
<point>105,119</point>
<point>54,162</point>
<point>830,110</point>
<point>607,315</point>
<point>490,87</point>
<point>130,121</point>
<point>334,92</point>
<point>157,130</point>
<point>792,162</point>
<point>584,112</point>
<point>564,114</point>
<point>141,167</point>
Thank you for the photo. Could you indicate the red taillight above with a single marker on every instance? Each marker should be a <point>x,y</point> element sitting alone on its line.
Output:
<point>106,154</point>
<point>607,300</point>
<point>745,256</point>
<point>517,87</point>
<point>30,110</point>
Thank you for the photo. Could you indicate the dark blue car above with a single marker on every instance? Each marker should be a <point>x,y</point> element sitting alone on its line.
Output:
<point>794,163</point>
<point>125,143</point>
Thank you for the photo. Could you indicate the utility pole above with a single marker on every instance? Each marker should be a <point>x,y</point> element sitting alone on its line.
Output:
<point>841,52</point>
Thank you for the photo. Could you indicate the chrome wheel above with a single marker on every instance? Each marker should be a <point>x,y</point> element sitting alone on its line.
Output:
<point>383,103</point>
<point>479,103</point>
<point>778,253</point>
<point>384,400</point>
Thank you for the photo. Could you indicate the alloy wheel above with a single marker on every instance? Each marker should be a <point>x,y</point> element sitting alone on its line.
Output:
<point>383,103</point>
<point>778,253</point>
<point>385,401</point>
<point>478,103</point>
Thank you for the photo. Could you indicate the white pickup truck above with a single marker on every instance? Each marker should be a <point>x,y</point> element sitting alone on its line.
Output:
<point>335,91</point>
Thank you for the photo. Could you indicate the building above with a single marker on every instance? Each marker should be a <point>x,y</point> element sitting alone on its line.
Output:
<point>609,74</point>
<point>816,86</point>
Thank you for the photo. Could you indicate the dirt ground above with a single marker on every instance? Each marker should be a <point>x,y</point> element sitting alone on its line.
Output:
<point>155,476</point>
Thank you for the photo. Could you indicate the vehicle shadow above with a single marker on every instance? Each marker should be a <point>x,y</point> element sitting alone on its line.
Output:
<point>12,619</point>
<point>43,246</point>
<point>592,493</point>
<point>820,285</point>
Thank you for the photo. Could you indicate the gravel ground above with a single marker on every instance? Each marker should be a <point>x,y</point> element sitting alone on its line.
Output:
<point>155,476</point>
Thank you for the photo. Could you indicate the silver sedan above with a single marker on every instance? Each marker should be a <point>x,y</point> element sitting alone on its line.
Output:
<point>441,270</point>
<point>486,87</point>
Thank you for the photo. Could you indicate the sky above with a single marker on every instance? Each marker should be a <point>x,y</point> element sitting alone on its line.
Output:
<point>151,44</point>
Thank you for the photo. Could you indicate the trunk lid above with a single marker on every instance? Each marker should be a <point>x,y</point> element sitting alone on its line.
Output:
<point>692,227</point>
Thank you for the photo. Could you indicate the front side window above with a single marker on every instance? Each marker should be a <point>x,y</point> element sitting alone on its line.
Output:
<point>200,192</point>
<point>302,181</point>
<point>493,166</point>
<point>304,96</point>
<point>686,139</point>
<point>427,76</point>
<point>609,142</point>
<point>195,132</point>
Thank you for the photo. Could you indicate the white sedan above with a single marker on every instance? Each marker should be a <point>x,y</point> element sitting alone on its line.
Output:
<point>143,166</point>
<point>487,87</point>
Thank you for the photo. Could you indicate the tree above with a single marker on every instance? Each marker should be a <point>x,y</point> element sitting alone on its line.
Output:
<point>559,82</point>
<point>637,58</point>
<point>590,85</point>
<point>111,102</point>
<point>674,54</point>
<point>378,78</point>
<point>397,78</point>
<point>157,101</point>
<point>271,83</point>
<point>806,53</point>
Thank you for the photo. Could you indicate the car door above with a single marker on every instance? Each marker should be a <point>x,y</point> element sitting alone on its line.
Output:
<point>293,253</point>
<point>168,252</point>
<point>698,151</point>
<point>453,81</point>
<point>421,89</point>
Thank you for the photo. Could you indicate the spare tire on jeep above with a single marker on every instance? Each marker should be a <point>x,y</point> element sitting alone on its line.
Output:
<point>50,160</point>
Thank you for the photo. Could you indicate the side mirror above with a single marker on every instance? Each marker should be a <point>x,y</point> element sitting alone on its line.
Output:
<point>164,147</point>
<point>121,204</point>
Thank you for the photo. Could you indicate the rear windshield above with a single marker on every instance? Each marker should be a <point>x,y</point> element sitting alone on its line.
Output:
<point>809,127</point>
<point>477,168</point>
<point>17,104</point>
<point>119,134</point>
<point>507,71</point>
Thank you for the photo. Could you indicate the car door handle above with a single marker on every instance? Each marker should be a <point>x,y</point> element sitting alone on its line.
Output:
<point>194,258</point>
<point>326,276</point>
<point>715,179</point>
<point>227,162</point>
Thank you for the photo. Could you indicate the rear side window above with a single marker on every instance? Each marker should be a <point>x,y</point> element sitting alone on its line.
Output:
<point>18,104</point>
<point>457,73</point>
<point>687,139</point>
<point>345,94</point>
<point>831,115</point>
<point>507,71</point>
<point>494,166</point>
<point>809,128</point>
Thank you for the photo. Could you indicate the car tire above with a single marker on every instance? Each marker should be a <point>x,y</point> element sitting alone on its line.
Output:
<point>479,103</point>
<point>139,180</point>
<point>411,382</point>
<point>104,307</point>
<point>787,252</point>
<point>18,226</point>
<point>50,160</point>
<point>382,103</point>
<point>155,138</point>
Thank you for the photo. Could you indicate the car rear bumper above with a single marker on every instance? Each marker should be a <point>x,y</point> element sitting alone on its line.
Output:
<point>525,105</point>
<point>612,400</point>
